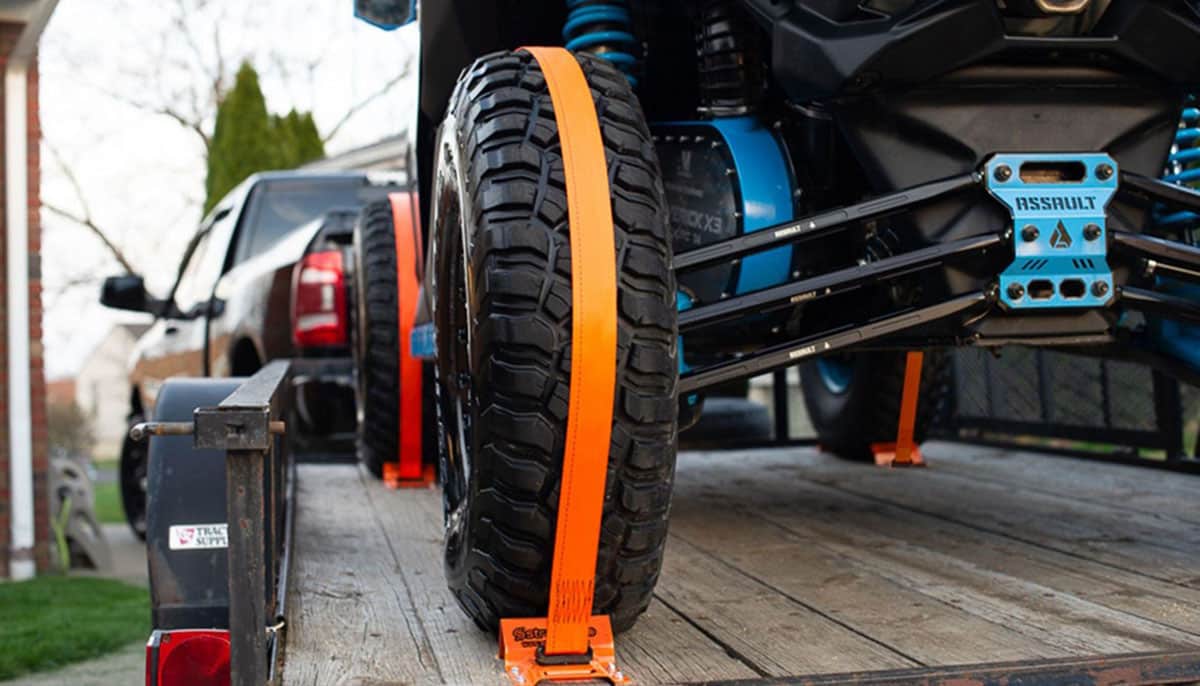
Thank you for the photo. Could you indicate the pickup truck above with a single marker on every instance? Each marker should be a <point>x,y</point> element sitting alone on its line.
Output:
<point>265,276</point>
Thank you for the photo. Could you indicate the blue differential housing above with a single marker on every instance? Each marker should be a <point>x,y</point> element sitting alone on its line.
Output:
<point>1058,204</point>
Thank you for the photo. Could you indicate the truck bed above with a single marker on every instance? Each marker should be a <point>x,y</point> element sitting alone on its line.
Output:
<point>790,562</point>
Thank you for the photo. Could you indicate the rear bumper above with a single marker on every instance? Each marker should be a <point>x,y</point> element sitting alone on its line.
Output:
<point>324,403</point>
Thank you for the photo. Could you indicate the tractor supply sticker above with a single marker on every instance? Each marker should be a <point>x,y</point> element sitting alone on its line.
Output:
<point>199,536</point>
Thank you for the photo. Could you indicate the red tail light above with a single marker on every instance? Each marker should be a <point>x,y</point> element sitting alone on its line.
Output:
<point>319,300</point>
<point>188,658</point>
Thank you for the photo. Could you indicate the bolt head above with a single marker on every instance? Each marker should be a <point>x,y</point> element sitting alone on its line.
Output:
<point>1002,173</point>
<point>1099,288</point>
<point>1104,171</point>
<point>1016,291</point>
<point>1029,234</point>
<point>1091,232</point>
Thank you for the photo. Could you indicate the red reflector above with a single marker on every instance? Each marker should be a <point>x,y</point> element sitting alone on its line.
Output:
<point>188,658</point>
<point>319,300</point>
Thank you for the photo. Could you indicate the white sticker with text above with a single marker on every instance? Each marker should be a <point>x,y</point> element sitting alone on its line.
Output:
<point>199,536</point>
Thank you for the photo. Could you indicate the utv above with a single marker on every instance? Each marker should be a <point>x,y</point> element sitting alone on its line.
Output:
<point>823,183</point>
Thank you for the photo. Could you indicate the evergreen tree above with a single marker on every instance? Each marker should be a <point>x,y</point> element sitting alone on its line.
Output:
<point>298,139</point>
<point>242,142</point>
<point>246,139</point>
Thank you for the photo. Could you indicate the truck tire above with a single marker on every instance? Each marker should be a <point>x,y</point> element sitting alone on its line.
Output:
<point>501,281</point>
<point>854,400</point>
<point>132,480</point>
<point>378,345</point>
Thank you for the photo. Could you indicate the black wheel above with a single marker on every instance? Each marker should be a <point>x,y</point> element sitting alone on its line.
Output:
<point>133,469</point>
<point>377,344</point>
<point>853,400</point>
<point>502,306</point>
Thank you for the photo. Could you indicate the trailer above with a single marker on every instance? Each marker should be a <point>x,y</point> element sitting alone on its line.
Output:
<point>783,565</point>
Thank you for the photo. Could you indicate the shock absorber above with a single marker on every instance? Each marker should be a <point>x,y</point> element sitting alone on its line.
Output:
<point>605,29</point>
<point>1183,165</point>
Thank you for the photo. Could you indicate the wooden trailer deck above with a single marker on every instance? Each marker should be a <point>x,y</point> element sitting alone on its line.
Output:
<point>789,562</point>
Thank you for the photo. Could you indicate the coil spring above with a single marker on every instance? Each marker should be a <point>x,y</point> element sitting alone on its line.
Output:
<point>1183,165</point>
<point>604,28</point>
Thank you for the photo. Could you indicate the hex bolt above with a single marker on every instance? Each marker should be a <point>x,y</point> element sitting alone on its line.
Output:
<point>1091,232</point>
<point>1029,234</point>
<point>1016,291</point>
<point>1002,173</point>
<point>1100,289</point>
<point>1104,171</point>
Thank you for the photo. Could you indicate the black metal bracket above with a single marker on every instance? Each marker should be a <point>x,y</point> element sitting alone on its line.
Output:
<point>832,283</point>
<point>788,354</point>
<point>823,224</point>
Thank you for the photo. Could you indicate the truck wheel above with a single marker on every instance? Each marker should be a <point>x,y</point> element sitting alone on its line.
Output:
<point>132,476</point>
<point>854,400</point>
<point>502,308</point>
<point>379,344</point>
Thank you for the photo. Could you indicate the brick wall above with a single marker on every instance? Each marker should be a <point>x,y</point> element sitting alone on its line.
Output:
<point>8,35</point>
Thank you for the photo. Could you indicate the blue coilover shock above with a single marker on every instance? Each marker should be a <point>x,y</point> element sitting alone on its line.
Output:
<point>1183,165</point>
<point>605,29</point>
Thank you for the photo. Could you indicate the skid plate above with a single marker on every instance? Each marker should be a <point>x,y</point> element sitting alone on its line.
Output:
<point>1057,202</point>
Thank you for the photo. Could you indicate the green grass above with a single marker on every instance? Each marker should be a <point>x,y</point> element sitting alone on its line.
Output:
<point>53,621</point>
<point>108,501</point>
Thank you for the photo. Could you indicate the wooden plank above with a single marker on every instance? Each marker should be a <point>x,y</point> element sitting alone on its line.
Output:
<point>661,648</point>
<point>1067,603</point>
<point>411,522</point>
<point>1122,487</point>
<point>924,628</point>
<point>1136,543</point>
<point>777,634</point>
<point>348,619</point>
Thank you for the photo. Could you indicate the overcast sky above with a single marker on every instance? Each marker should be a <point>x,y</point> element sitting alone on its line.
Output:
<point>106,64</point>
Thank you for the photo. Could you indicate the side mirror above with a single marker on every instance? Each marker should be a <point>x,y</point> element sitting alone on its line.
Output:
<point>386,14</point>
<point>127,292</point>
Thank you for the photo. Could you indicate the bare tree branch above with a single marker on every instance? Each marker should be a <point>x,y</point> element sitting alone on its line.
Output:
<point>90,225</point>
<point>85,220</point>
<point>358,107</point>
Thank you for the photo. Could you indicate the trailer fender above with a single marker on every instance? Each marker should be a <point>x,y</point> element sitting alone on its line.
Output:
<point>185,517</point>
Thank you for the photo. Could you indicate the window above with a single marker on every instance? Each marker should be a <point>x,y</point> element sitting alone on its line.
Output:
<point>278,207</point>
<point>191,290</point>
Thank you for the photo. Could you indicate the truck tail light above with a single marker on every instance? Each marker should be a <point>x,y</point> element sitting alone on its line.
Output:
<point>319,300</point>
<point>188,657</point>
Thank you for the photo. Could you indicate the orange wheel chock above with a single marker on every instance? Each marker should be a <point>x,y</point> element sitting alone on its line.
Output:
<point>522,648</point>
<point>904,453</point>
<point>409,470</point>
<point>571,644</point>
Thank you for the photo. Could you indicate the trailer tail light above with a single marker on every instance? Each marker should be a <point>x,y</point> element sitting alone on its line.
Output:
<point>319,300</point>
<point>188,657</point>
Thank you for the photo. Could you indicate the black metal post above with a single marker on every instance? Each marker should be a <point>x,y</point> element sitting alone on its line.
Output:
<point>247,581</point>
<point>779,396</point>
<point>1168,414</point>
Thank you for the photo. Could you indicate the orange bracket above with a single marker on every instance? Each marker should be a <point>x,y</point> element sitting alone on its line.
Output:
<point>571,644</point>
<point>409,470</point>
<point>904,453</point>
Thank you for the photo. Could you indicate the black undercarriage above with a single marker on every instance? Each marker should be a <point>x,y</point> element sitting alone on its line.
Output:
<point>887,111</point>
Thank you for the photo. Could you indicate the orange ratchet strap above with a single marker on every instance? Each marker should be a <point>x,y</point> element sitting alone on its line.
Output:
<point>904,452</point>
<point>578,646</point>
<point>409,468</point>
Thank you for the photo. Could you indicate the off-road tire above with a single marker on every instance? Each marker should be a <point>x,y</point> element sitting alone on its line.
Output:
<point>377,345</point>
<point>868,411</point>
<point>135,460</point>
<point>504,342</point>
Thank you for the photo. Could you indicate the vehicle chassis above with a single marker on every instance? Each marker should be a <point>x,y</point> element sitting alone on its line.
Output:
<point>1153,257</point>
